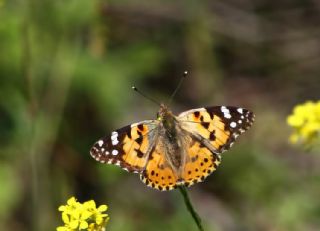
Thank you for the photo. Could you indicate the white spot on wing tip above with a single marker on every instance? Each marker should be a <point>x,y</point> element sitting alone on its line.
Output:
<point>115,141</point>
<point>114,138</point>
<point>114,152</point>
<point>226,112</point>
<point>100,142</point>
<point>233,124</point>
<point>240,110</point>
<point>227,115</point>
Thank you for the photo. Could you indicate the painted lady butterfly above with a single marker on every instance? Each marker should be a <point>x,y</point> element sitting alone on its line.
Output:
<point>174,150</point>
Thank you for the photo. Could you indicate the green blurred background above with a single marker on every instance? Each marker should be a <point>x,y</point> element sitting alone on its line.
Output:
<point>66,71</point>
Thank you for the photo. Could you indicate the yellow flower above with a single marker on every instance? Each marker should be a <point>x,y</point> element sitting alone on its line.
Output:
<point>305,121</point>
<point>86,216</point>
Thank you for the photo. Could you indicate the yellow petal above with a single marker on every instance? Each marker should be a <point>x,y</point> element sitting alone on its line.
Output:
<point>74,224</point>
<point>62,208</point>
<point>63,228</point>
<point>90,204</point>
<point>295,121</point>
<point>65,218</point>
<point>83,225</point>
<point>99,220</point>
<point>76,214</point>
<point>72,201</point>
<point>85,215</point>
<point>102,208</point>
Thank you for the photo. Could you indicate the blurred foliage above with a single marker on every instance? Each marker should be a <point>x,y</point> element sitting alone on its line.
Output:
<point>66,71</point>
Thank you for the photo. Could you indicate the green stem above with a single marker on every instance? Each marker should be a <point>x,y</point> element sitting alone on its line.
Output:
<point>190,208</point>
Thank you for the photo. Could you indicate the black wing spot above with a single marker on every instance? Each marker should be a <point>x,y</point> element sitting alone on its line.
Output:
<point>212,136</point>
<point>194,158</point>
<point>205,125</point>
<point>139,140</point>
<point>211,114</point>
<point>141,127</point>
<point>129,133</point>
<point>139,153</point>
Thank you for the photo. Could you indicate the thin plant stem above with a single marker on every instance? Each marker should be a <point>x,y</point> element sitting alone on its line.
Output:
<point>190,208</point>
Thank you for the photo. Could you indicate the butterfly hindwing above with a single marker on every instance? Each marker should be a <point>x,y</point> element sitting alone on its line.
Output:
<point>200,162</point>
<point>158,174</point>
<point>127,147</point>
<point>220,125</point>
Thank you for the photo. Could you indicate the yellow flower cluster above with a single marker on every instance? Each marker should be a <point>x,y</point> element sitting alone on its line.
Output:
<point>306,123</point>
<point>86,216</point>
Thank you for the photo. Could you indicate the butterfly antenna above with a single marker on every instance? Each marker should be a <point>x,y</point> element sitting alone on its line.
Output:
<point>178,87</point>
<point>145,96</point>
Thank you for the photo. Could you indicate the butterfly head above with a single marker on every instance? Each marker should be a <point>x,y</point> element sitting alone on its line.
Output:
<point>166,117</point>
<point>164,113</point>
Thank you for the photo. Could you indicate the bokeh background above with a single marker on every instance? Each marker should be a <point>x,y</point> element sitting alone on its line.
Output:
<point>66,71</point>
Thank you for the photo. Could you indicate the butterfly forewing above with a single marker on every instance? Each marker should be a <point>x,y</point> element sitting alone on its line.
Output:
<point>127,147</point>
<point>219,125</point>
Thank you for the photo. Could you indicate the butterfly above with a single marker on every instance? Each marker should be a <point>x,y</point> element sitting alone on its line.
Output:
<point>171,151</point>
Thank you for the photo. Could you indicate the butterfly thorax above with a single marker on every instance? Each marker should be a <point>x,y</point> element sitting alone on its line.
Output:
<point>168,121</point>
<point>169,132</point>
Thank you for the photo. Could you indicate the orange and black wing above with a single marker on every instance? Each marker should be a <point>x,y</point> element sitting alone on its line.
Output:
<point>217,127</point>
<point>210,131</point>
<point>128,147</point>
<point>199,163</point>
<point>158,173</point>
